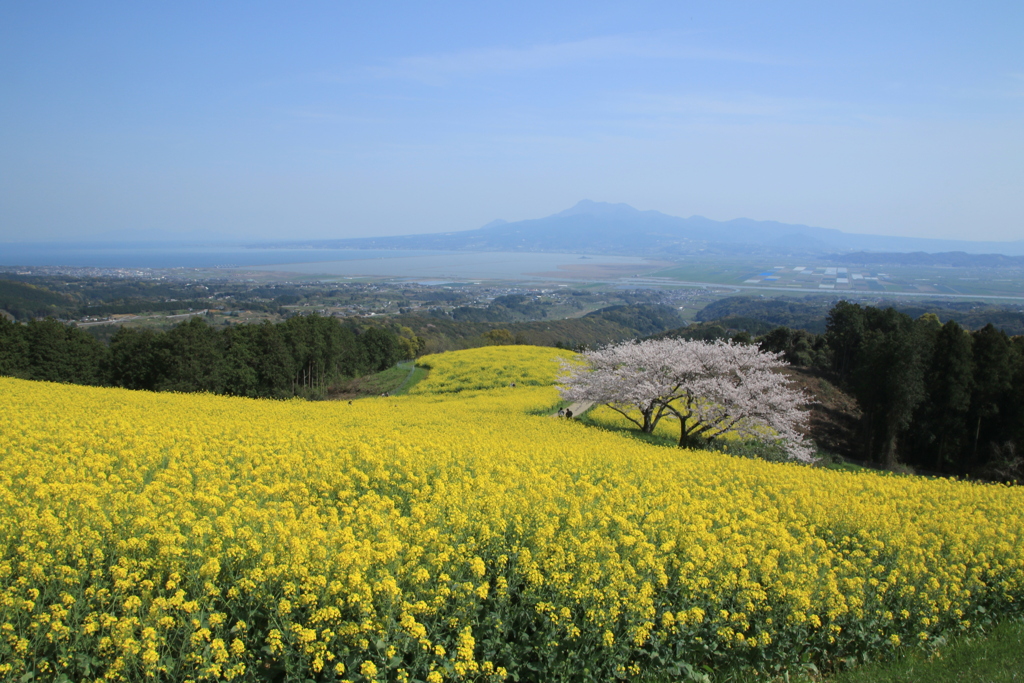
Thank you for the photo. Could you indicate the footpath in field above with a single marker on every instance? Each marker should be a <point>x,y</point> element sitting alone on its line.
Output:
<point>577,408</point>
<point>408,381</point>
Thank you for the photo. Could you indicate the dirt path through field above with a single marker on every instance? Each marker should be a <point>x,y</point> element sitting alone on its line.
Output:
<point>412,369</point>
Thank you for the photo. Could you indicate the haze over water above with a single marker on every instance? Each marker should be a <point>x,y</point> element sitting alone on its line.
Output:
<point>111,255</point>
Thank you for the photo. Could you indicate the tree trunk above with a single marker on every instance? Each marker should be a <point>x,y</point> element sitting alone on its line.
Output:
<point>889,455</point>
<point>684,438</point>
<point>890,450</point>
<point>868,439</point>
<point>940,458</point>
<point>974,450</point>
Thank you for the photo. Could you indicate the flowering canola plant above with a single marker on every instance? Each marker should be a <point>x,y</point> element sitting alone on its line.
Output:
<point>449,536</point>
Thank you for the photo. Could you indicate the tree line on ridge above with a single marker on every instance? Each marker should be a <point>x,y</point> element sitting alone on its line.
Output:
<point>301,356</point>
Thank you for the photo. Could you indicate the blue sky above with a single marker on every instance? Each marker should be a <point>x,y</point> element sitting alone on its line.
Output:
<point>342,119</point>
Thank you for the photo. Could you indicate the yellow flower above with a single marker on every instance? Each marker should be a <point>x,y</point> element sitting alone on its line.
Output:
<point>368,669</point>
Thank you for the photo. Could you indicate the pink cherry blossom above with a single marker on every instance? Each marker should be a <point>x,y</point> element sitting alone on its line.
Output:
<point>711,388</point>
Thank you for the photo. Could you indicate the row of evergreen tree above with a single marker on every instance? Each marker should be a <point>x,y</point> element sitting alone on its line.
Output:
<point>301,356</point>
<point>936,397</point>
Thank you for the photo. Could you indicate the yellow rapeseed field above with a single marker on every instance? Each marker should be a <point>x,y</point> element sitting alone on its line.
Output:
<point>490,367</point>
<point>450,536</point>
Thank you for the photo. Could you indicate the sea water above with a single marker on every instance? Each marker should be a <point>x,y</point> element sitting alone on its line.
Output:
<point>165,255</point>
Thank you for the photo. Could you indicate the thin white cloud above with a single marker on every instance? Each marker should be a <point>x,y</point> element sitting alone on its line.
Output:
<point>440,68</point>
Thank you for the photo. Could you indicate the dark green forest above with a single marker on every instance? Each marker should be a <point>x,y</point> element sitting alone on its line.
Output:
<point>938,398</point>
<point>302,356</point>
<point>934,396</point>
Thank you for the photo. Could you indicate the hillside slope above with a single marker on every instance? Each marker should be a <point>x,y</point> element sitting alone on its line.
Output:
<point>456,535</point>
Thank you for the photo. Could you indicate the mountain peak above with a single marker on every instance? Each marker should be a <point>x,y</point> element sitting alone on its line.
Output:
<point>588,207</point>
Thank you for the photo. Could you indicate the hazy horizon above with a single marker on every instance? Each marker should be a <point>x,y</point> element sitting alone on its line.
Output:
<point>322,121</point>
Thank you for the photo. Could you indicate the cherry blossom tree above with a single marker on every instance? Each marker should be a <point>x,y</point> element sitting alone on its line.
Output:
<point>710,388</point>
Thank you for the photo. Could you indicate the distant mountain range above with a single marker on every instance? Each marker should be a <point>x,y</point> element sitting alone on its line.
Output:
<point>603,228</point>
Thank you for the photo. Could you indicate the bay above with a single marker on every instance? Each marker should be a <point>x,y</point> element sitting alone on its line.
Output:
<point>169,255</point>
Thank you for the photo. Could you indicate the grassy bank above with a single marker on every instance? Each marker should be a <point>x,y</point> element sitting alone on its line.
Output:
<point>997,657</point>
